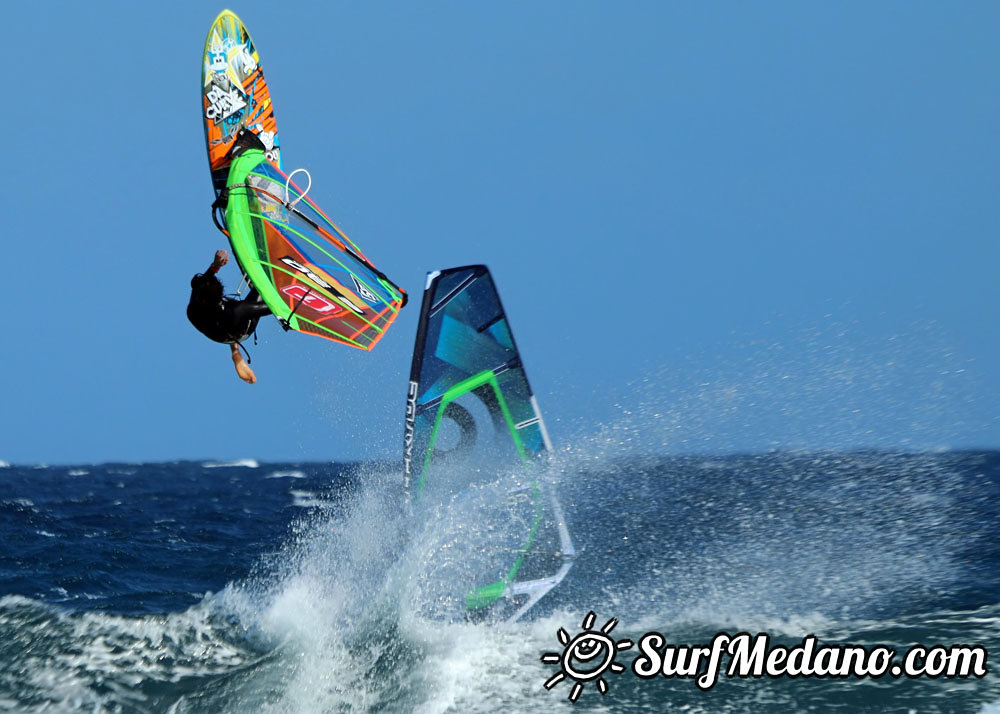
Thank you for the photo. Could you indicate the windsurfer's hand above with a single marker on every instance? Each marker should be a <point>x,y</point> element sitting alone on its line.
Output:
<point>221,258</point>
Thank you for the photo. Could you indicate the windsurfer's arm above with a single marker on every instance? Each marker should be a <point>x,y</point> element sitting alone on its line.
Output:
<point>221,258</point>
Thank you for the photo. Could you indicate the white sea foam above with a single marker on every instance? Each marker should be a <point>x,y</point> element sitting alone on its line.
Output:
<point>708,616</point>
<point>307,499</point>
<point>286,474</point>
<point>345,624</point>
<point>471,668</point>
<point>245,463</point>
<point>78,472</point>
<point>108,656</point>
<point>123,472</point>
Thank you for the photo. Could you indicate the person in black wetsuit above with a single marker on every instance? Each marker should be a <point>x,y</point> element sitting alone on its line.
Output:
<point>224,319</point>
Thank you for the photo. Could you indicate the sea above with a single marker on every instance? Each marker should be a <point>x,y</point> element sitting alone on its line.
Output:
<point>244,586</point>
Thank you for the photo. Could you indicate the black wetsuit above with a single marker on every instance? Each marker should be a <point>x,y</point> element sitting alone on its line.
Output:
<point>220,318</point>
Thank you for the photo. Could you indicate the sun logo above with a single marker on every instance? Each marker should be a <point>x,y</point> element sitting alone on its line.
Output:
<point>586,657</point>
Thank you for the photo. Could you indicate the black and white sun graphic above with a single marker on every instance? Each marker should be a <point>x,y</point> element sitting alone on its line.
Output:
<point>586,657</point>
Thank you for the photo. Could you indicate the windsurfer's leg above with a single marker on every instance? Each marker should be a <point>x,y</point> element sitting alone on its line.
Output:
<point>249,308</point>
<point>242,368</point>
<point>241,316</point>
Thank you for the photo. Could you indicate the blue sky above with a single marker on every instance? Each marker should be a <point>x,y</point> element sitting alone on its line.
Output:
<point>715,226</point>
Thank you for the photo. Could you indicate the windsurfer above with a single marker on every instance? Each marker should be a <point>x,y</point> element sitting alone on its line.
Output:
<point>224,319</point>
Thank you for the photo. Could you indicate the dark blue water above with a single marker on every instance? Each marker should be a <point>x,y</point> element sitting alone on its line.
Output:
<point>191,587</point>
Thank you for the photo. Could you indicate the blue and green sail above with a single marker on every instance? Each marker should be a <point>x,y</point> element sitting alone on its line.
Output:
<point>470,407</point>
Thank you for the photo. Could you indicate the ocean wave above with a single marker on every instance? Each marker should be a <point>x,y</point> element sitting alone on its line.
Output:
<point>286,474</point>
<point>53,659</point>
<point>245,463</point>
<point>307,499</point>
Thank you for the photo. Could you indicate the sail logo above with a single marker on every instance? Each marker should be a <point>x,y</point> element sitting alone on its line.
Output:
<point>310,299</point>
<point>586,657</point>
<point>309,273</point>
<point>296,265</point>
<point>366,294</point>
<point>411,417</point>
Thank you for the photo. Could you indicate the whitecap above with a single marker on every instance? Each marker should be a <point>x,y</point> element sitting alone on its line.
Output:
<point>246,463</point>
<point>307,499</point>
<point>286,474</point>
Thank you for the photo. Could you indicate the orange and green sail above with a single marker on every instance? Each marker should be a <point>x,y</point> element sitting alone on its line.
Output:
<point>310,274</point>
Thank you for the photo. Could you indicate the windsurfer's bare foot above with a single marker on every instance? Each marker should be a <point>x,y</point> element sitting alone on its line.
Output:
<point>242,368</point>
<point>246,374</point>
